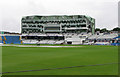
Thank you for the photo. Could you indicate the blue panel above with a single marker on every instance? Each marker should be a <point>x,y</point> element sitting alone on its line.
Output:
<point>12,40</point>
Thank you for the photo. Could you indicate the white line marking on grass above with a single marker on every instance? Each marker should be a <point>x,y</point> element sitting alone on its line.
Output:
<point>58,68</point>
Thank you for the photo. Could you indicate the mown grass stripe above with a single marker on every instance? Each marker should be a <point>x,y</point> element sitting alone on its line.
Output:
<point>59,68</point>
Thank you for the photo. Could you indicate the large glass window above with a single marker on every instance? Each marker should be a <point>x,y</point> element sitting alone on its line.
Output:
<point>52,28</point>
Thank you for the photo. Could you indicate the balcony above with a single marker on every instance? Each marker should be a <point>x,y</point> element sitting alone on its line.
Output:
<point>73,28</point>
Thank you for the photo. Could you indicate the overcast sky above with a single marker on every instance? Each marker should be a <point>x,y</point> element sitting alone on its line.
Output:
<point>104,11</point>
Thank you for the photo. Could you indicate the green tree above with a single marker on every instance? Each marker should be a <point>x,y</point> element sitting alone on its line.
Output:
<point>104,30</point>
<point>116,29</point>
<point>97,29</point>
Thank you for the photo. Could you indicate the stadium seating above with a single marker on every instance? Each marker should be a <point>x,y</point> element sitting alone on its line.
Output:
<point>107,36</point>
<point>43,42</point>
<point>88,43</point>
<point>29,41</point>
<point>102,43</point>
<point>84,38</point>
<point>26,41</point>
<point>33,41</point>
<point>93,36</point>
<point>12,39</point>
<point>1,39</point>
<point>115,44</point>
<point>59,42</point>
<point>51,42</point>
<point>101,39</point>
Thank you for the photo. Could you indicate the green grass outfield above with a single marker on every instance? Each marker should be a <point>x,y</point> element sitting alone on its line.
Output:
<point>35,58</point>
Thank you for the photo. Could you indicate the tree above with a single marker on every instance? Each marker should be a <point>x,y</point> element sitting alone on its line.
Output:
<point>97,29</point>
<point>116,29</point>
<point>104,30</point>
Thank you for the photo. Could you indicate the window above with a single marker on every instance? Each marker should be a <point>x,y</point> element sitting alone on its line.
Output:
<point>68,36</point>
<point>24,26</point>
